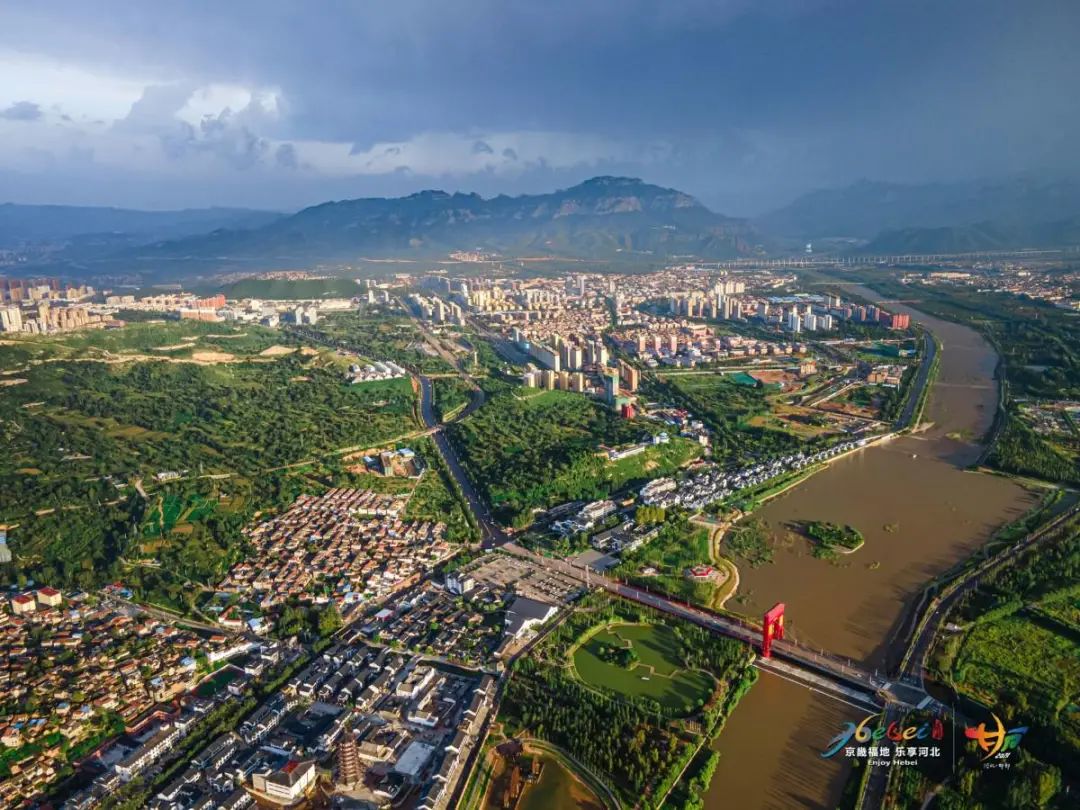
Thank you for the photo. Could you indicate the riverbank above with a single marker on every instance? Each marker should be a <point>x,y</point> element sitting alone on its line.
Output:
<point>921,512</point>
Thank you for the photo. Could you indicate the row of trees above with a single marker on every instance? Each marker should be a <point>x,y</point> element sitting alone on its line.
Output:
<point>614,737</point>
<point>1021,450</point>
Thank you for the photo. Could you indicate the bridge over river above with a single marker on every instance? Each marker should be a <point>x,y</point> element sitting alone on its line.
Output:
<point>815,669</point>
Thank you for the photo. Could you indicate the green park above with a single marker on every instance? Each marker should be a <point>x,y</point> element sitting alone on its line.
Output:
<point>655,670</point>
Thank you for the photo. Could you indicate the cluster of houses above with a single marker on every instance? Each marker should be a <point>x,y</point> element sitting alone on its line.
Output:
<point>384,724</point>
<point>890,376</point>
<point>379,370</point>
<point>586,518</point>
<point>478,616</point>
<point>715,483</point>
<point>76,669</point>
<point>347,546</point>
<point>628,536</point>
<point>688,426</point>
<point>1050,418</point>
<point>463,625</point>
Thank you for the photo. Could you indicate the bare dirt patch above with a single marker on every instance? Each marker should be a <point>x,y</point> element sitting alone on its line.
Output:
<point>276,351</point>
<point>212,357</point>
<point>173,348</point>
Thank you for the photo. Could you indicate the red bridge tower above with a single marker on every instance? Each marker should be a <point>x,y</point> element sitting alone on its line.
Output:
<point>772,629</point>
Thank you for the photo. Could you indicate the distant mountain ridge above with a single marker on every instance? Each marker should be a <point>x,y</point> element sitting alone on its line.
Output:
<point>602,216</point>
<point>867,209</point>
<point>982,236</point>
<point>605,217</point>
<point>27,225</point>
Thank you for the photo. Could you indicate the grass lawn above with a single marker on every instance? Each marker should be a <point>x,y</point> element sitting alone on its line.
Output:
<point>679,546</point>
<point>655,461</point>
<point>657,674</point>
<point>217,682</point>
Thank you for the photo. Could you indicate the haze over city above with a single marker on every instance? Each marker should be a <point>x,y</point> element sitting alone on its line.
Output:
<point>745,105</point>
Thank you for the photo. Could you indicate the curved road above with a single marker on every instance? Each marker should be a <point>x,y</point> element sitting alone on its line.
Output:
<point>816,664</point>
<point>492,534</point>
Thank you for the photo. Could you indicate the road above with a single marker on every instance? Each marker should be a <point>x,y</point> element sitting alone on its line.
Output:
<point>913,665</point>
<point>491,533</point>
<point>171,617</point>
<point>476,751</point>
<point>922,378</point>
<point>813,664</point>
<point>914,662</point>
<point>816,670</point>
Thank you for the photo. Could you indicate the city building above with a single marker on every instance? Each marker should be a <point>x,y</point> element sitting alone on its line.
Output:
<point>287,785</point>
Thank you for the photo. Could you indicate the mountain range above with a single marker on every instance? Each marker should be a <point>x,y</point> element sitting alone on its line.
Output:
<point>981,236</point>
<point>603,217</point>
<point>25,225</point>
<point>600,217</point>
<point>868,209</point>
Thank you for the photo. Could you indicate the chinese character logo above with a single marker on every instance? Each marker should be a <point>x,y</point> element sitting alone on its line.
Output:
<point>995,740</point>
<point>865,732</point>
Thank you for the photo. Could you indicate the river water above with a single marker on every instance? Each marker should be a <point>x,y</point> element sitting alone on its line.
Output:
<point>920,513</point>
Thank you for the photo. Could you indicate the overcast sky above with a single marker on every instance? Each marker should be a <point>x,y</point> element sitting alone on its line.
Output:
<point>743,103</point>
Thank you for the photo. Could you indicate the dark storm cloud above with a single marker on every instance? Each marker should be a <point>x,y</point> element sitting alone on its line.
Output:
<point>743,103</point>
<point>21,111</point>
<point>285,156</point>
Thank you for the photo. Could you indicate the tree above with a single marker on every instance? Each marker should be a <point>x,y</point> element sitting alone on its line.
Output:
<point>327,620</point>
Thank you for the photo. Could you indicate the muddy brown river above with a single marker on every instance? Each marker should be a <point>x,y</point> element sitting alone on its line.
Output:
<point>920,513</point>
